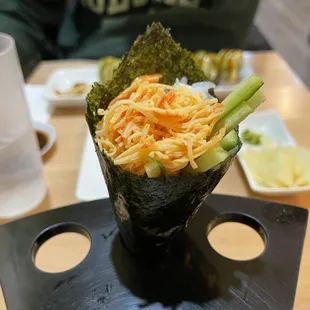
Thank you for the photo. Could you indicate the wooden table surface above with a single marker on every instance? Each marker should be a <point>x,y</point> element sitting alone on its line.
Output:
<point>285,93</point>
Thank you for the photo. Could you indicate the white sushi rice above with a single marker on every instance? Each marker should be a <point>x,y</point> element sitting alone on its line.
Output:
<point>200,87</point>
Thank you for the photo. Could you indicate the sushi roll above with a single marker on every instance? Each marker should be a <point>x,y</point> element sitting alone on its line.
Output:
<point>106,67</point>
<point>229,62</point>
<point>163,142</point>
<point>206,61</point>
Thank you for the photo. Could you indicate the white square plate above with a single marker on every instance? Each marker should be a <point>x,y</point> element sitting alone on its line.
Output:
<point>91,184</point>
<point>270,125</point>
<point>64,79</point>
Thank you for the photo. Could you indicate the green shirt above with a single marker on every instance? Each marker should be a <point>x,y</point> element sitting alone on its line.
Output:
<point>48,29</point>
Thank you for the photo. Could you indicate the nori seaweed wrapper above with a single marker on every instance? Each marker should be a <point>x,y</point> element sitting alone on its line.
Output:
<point>148,211</point>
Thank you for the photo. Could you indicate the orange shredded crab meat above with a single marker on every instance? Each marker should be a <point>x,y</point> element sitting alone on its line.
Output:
<point>170,124</point>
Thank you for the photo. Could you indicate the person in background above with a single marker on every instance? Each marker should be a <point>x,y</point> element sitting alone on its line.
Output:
<point>54,29</point>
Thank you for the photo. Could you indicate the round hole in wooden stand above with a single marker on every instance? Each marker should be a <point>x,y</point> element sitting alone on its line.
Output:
<point>2,302</point>
<point>237,237</point>
<point>61,248</point>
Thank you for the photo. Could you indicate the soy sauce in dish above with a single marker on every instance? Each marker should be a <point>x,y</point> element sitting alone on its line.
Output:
<point>42,138</point>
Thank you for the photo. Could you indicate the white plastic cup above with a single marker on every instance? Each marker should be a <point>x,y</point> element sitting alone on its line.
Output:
<point>22,186</point>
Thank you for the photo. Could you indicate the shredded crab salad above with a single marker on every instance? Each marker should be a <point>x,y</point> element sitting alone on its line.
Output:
<point>149,121</point>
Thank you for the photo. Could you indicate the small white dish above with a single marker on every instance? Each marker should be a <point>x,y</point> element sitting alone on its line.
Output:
<point>270,125</point>
<point>91,184</point>
<point>222,90</point>
<point>49,132</point>
<point>64,79</point>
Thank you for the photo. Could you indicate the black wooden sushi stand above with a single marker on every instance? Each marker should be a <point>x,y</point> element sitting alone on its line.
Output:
<point>190,274</point>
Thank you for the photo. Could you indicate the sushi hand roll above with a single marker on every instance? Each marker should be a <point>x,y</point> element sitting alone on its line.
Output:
<point>163,142</point>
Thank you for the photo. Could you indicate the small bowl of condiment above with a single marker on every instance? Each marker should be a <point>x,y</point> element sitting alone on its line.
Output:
<point>46,136</point>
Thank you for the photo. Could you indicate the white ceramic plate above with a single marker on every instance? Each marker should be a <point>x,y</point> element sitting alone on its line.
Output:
<point>91,184</point>
<point>270,125</point>
<point>64,79</point>
<point>49,132</point>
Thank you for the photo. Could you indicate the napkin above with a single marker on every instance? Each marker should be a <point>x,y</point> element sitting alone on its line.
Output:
<point>38,106</point>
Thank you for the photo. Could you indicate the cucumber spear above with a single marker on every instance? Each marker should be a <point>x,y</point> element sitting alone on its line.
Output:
<point>243,92</point>
<point>239,113</point>
<point>237,106</point>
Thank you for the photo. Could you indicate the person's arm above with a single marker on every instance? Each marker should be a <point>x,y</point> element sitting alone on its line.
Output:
<point>34,24</point>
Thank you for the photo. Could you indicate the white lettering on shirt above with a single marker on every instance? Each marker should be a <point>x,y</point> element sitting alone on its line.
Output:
<point>122,6</point>
<point>118,6</point>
